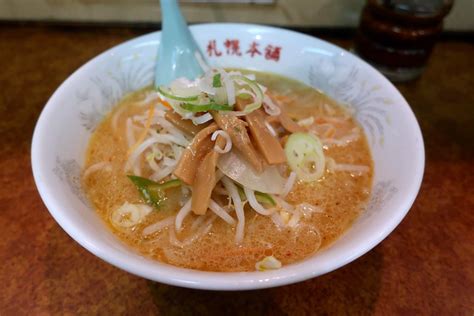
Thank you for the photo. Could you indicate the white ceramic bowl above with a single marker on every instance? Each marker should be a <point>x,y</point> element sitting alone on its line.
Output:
<point>69,117</point>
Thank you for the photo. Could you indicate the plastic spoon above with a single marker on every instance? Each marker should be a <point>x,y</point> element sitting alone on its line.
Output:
<point>177,50</point>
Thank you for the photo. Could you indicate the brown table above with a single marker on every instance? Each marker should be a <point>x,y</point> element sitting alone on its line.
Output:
<point>426,266</point>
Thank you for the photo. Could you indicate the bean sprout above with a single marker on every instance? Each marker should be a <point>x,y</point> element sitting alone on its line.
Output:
<point>198,120</point>
<point>307,209</point>
<point>204,229</point>
<point>106,166</point>
<point>228,142</point>
<point>219,211</point>
<point>183,212</point>
<point>239,208</point>
<point>289,184</point>
<point>270,129</point>
<point>153,228</point>
<point>254,203</point>
<point>306,121</point>
<point>270,107</point>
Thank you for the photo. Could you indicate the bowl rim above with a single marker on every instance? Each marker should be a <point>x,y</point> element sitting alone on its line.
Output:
<point>218,280</point>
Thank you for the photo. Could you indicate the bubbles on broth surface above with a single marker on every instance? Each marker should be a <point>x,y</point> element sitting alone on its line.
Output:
<point>341,195</point>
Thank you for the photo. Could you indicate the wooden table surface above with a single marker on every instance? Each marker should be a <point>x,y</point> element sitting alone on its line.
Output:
<point>425,267</point>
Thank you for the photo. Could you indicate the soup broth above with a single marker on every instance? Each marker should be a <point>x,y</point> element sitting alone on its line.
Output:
<point>338,197</point>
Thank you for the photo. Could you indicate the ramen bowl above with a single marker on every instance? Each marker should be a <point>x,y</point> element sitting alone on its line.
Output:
<point>78,105</point>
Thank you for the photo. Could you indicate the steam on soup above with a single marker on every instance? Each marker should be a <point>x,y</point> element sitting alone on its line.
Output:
<point>230,172</point>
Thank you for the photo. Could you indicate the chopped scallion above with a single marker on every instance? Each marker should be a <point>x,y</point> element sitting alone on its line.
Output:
<point>216,81</point>
<point>206,107</point>
<point>175,97</point>
<point>153,192</point>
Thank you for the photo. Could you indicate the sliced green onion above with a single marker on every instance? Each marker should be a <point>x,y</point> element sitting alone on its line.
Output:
<point>305,156</point>
<point>175,97</point>
<point>244,96</point>
<point>206,107</point>
<point>153,192</point>
<point>256,89</point>
<point>216,81</point>
<point>265,198</point>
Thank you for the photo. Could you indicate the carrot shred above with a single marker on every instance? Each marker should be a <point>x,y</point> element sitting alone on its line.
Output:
<point>166,104</point>
<point>142,136</point>
<point>320,120</point>
<point>330,132</point>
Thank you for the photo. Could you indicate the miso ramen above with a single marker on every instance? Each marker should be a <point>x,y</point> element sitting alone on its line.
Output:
<point>234,171</point>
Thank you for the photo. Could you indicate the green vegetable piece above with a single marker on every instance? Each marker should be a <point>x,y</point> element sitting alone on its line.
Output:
<point>242,195</point>
<point>256,89</point>
<point>206,107</point>
<point>153,192</point>
<point>175,97</point>
<point>259,196</point>
<point>244,96</point>
<point>216,81</point>
<point>264,198</point>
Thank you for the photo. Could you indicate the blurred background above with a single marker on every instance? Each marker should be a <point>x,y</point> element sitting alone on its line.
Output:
<point>294,13</point>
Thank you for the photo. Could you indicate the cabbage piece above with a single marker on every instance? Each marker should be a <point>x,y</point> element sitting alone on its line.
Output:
<point>238,169</point>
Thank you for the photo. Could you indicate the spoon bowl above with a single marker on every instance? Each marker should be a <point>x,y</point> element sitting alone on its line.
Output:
<point>178,53</point>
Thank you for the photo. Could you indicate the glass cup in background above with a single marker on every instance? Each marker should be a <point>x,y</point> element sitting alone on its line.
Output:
<point>397,36</point>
